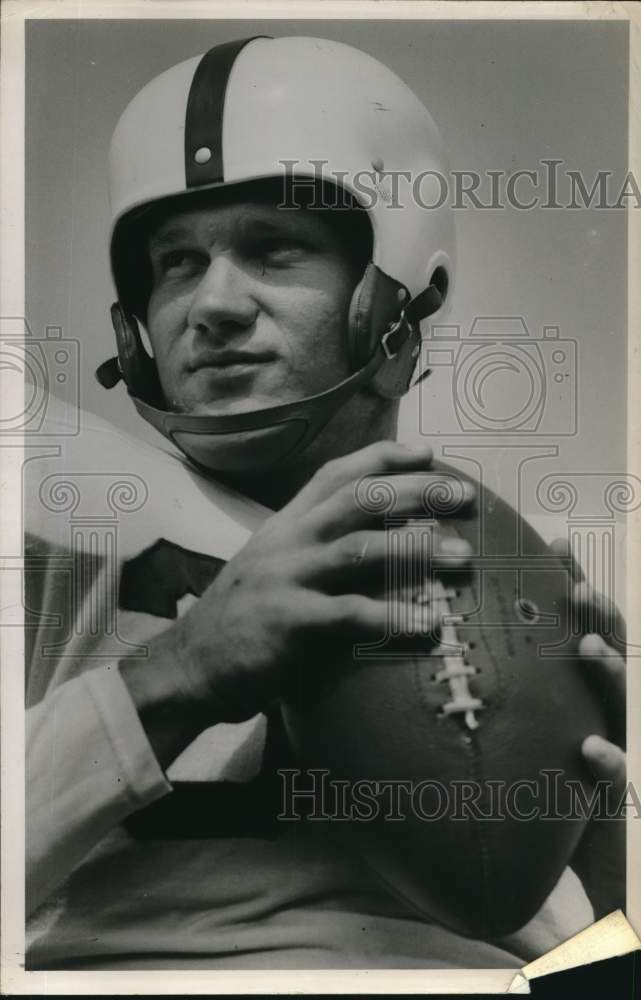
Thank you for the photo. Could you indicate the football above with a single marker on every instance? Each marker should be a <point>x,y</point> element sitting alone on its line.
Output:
<point>456,771</point>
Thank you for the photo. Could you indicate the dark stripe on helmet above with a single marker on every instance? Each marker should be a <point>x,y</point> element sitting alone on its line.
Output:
<point>204,118</point>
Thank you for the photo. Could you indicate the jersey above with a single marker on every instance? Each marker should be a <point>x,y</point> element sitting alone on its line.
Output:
<point>131,867</point>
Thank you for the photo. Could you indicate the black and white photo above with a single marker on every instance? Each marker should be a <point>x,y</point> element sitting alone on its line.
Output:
<point>325,494</point>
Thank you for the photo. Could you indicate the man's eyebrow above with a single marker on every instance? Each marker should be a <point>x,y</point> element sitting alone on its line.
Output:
<point>266,226</point>
<point>168,237</point>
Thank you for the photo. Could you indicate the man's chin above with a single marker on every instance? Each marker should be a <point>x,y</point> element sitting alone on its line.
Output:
<point>232,407</point>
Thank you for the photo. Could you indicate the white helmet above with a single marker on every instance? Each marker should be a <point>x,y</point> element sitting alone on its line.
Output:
<point>300,108</point>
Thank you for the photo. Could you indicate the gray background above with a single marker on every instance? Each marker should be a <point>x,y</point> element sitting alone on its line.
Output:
<point>505,95</point>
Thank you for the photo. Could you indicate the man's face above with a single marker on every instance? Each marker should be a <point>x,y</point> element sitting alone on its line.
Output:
<point>249,306</point>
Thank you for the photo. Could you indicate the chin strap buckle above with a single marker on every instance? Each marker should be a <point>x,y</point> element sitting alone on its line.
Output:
<point>395,336</point>
<point>420,307</point>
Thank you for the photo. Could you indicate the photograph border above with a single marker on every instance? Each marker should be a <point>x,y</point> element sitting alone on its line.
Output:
<point>14,979</point>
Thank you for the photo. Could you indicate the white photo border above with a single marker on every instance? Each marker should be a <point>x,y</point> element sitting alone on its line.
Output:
<point>15,980</point>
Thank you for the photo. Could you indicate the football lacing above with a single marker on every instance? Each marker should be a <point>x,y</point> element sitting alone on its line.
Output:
<point>455,670</point>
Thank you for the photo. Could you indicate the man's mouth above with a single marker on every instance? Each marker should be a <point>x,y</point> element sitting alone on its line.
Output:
<point>229,359</point>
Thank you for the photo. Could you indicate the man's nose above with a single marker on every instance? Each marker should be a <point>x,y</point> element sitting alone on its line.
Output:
<point>222,301</point>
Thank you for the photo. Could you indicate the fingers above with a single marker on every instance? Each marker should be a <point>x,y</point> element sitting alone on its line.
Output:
<point>363,619</point>
<point>348,563</point>
<point>366,503</point>
<point>595,613</point>
<point>606,670</point>
<point>607,763</point>
<point>364,560</point>
<point>378,458</point>
<point>562,548</point>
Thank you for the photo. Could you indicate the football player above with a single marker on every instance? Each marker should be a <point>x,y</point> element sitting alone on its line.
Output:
<point>282,295</point>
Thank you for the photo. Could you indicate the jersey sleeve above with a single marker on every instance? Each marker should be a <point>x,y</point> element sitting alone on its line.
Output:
<point>109,559</point>
<point>89,766</point>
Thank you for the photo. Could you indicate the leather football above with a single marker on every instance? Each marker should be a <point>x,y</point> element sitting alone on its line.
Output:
<point>479,739</point>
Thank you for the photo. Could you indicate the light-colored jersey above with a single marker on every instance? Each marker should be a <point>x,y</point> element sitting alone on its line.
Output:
<point>129,867</point>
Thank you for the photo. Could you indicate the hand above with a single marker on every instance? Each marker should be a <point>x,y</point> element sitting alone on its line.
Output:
<point>299,594</point>
<point>599,860</point>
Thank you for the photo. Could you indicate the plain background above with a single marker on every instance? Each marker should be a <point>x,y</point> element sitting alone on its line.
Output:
<point>505,94</point>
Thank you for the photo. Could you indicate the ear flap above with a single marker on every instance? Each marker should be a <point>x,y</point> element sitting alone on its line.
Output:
<point>376,305</point>
<point>138,368</point>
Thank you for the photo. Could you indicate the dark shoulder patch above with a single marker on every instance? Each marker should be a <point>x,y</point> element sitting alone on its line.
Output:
<point>154,581</point>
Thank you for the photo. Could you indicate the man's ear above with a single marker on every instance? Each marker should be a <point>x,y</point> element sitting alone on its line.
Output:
<point>144,336</point>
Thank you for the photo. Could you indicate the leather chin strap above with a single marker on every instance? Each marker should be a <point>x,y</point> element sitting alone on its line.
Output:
<point>260,438</point>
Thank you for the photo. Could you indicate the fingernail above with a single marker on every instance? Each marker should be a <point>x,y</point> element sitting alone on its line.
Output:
<point>596,746</point>
<point>592,645</point>
<point>454,547</point>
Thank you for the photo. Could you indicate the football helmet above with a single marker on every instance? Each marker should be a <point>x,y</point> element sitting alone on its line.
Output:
<point>306,110</point>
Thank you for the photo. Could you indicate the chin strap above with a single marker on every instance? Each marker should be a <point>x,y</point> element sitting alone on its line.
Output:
<point>202,437</point>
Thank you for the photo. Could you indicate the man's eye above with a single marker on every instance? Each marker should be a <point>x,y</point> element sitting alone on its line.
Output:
<point>277,251</point>
<point>180,262</point>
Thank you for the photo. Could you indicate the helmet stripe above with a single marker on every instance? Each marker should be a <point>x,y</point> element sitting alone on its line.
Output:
<point>204,117</point>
